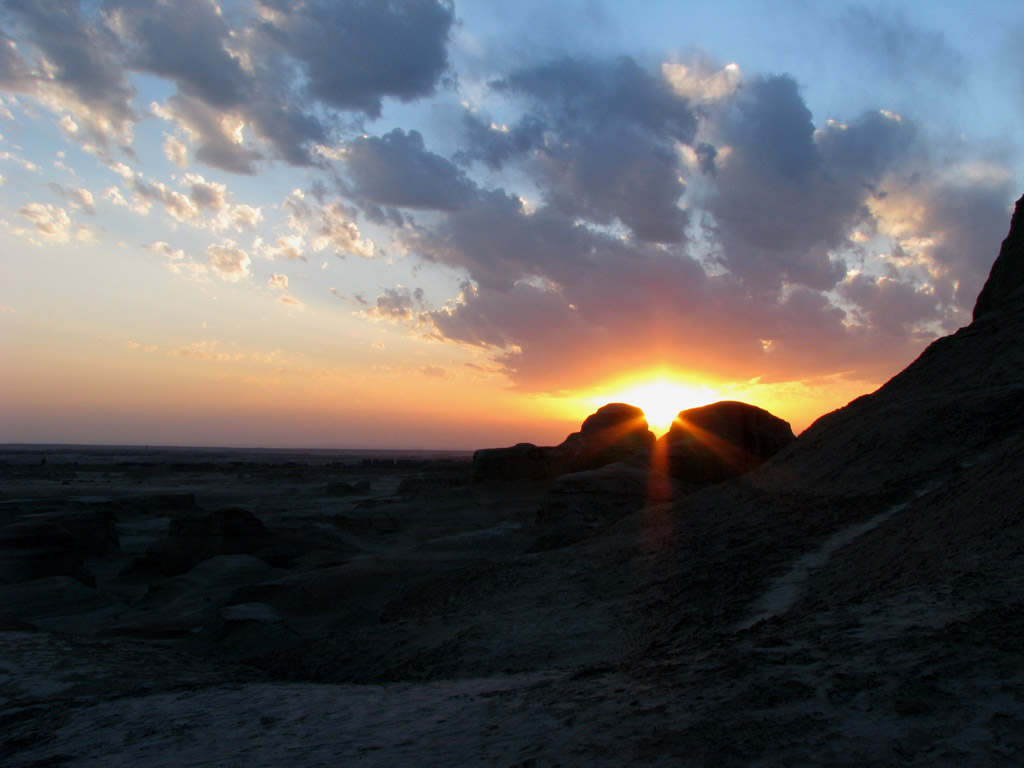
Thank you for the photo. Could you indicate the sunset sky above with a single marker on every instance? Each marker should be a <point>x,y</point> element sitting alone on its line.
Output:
<point>413,224</point>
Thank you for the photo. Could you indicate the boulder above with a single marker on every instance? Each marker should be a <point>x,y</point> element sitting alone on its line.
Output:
<point>723,440</point>
<point>615,432</point>
<point>1006,279</point>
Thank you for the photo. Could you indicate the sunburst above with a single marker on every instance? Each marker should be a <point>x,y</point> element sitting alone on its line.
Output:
<point>661,399</point>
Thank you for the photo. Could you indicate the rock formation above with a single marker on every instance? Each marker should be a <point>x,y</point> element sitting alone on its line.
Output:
<point>1006,278</point>
<point>523,461</point>
<point>722,440</point>
<point>56,543</point>
<point>615,432</point>
<point>195,538</point>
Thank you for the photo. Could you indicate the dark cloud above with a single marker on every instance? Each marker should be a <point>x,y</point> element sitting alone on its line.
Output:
<point>184,41</point>
<point>772,127</point>
<point>644,311</point>
<point>82,55</point>
<point>868,147</point>
<point>289,128</point>
<point>786,196</point>
<point>355,52</point>
<point>562,303</point>
<point>282,68</point>
<point>396,170</point>
<point>601,137</point>
<point>14,71</point>
<point>395,304</point>
<point>495,146</point>
<point>890,306</point>
<point>565,302</point>
<point>579,94</point>
<point>498,242</point>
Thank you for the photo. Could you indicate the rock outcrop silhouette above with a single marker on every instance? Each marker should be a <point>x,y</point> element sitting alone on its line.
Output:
<point>722,440</point>
<point>615,432</point>
<point>1006,279</point>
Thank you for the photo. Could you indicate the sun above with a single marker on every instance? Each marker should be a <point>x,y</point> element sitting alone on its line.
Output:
<point>663,398</point>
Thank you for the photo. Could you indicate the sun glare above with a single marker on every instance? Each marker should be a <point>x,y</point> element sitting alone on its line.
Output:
<point>661,400</point>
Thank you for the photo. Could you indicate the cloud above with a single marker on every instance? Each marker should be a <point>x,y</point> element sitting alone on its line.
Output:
<point>75,65</point>
<point>268,80</point>
<point>600,137</point>
<point>889,305</point>
<point>600,214</point>
<point>396,304</point>
<point>172,254</point>
<point>334,230</point>
<point>499,242</point>
<point>328,227</point>
<point>283,73</point>
<point>435,372</point>
<point>279,282</point>
<point>82,198</point>
<point>396,170</point>
<point>205,194</point>
<point>185,41</point>
<point>802,262</point>
<point>286,247</point>
<point>15,74</point>
<point>229,262</point>
<point>78,198</point>
<point>216,134</point>
<point>176,150</point>
<point>949,225</point>
<point>241,217</point>
<point>354,53</point>
<point>204,204</point>
<point>50,221</point>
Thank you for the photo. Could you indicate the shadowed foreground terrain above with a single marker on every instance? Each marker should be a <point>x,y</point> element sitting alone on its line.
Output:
<point>856,600</point>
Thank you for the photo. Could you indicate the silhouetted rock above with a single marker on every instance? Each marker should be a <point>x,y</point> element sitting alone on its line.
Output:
<point>615,432</point>
<point>723,440</point>
<point>1006,279</point>
<point>523,461</point>
<point>195,538</point>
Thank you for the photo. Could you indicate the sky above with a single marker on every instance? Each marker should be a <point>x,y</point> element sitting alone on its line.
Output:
<point>424,224</point>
